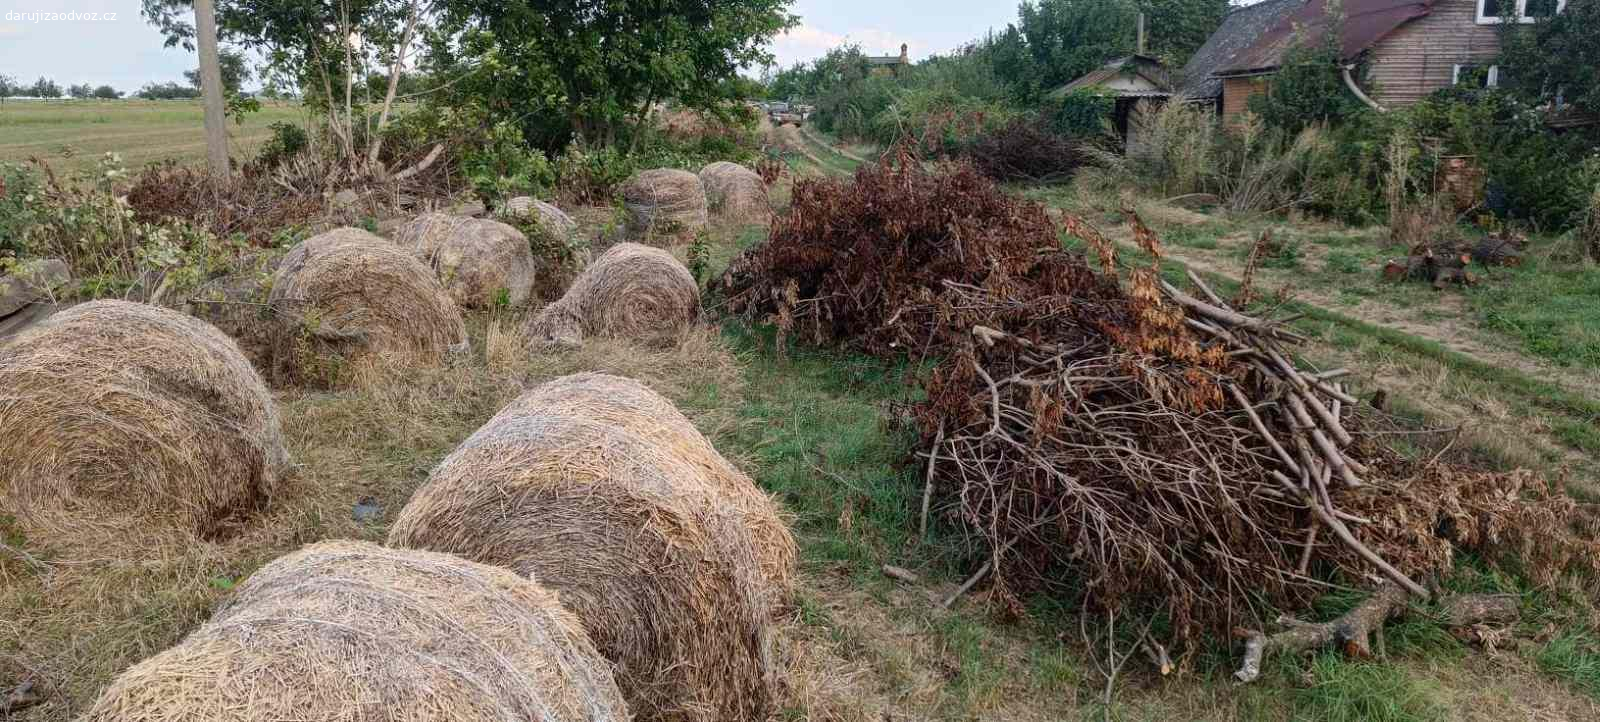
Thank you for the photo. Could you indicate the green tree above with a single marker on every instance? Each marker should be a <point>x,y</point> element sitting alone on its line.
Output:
<point>106,92</point>
<point>44,88</point>
<point>235,69</point>
<point>80,91</point>
<point>1556,58</point>
<point>593,69</point>
<point>1308,88</point>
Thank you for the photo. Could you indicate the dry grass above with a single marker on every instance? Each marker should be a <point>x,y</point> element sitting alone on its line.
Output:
<point>72,621</point>
<point>657,557</point>
<point>323,632</point>
<point>132,422</point>
<point>347,301</point>
<point>735,193</point>
<point>632,292</point>
<point>665,206</point>
<point>481,263</point>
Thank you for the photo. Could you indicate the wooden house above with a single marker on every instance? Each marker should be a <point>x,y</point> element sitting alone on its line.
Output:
<point>1393,52</point>
<point>1138,83</point>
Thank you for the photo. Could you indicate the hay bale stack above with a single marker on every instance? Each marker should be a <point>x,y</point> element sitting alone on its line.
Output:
<point>735,193</point>
<point>346,297</point>
<point>352,631</point>
<point>134,420</point>
<point>549,217</point>
<point>638,542</point>
<point>631,291</point>
<point>627,404</point>
<point>665,206</point>
<point>478,261</point>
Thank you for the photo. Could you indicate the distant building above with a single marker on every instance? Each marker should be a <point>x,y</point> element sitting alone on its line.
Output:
<point>889,64</point>
<point>1140,85</point>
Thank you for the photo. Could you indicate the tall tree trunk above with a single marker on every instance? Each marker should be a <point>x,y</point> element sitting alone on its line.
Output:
<point>205,21</point>
<point>395,70</point>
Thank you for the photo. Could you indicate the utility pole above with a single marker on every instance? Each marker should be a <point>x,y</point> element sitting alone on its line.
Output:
<point>205,22</point>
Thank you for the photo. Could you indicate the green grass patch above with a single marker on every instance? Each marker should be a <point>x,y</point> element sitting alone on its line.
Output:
<point>1343,690</point>
<point>1575,658</point>
<point>1548,308</point>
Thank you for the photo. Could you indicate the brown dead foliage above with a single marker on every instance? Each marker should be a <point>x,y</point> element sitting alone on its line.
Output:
<point>1080,425</point>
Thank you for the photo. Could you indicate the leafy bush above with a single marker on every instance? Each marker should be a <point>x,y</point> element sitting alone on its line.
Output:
<point>20,208</point>
<point>1082,113</point>
<point>287,141</point>
<point>1307,89</point>
<point>504,166</point>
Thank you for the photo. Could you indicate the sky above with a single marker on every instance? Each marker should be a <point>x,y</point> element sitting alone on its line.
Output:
<point>127,53</point>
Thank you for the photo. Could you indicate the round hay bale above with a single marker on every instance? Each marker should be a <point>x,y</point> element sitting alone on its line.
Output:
<point>135,420</point>
<point>638,543</point>
<point>665,206</point>
<point>347,297</point>
<point>549,217</point>
<point>478,261</point>
<point>735,193</point>
<point>631,291</point>
<point>354,632</point>
<point>627,404</point>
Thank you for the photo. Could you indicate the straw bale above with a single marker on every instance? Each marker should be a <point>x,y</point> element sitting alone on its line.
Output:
<point>475,259</point>
<point>355,632</point>
<point>735,193</point>
<point>132,419</point>
<point>551,218</point>
<point>631,291</point>
<point>627,404</point>
<point>638,542</point>
<point>347,296</point>
<point>665,206</point>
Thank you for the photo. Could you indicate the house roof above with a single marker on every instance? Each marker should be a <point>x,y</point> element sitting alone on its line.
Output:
<point>1240,27</point>
<point>1142,66</point>
<point>884,60</point>
<point>1365,23</point>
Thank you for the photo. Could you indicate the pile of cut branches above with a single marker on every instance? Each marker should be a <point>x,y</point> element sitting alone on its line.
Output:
<point>1157,446</point>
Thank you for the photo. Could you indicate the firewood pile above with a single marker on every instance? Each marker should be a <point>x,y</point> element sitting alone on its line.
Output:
<point>1156,449</point>
<point>1448,263</point>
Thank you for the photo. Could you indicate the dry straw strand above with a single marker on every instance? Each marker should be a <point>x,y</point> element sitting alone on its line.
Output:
<point>735,193</point>
<point>132,419</point>
<point>347,296</point>
<point>665,205</point>
<point>475,259</point>
<point>353,631</point>
<point>631,291</point>
<point>639,542</point>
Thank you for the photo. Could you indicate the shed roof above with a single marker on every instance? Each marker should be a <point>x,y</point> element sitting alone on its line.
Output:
<point>1365,23</point>
<point>1143,66</point>
<point>885,60</point>
<point>1240,28</point>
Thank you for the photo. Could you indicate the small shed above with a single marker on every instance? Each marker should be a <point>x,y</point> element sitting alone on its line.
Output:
<point>1139,83</point>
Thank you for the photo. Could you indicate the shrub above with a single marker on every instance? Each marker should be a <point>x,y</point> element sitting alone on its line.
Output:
<point>1082,113</point>
<point>287,141</point>
<point>20,208</point>
<point>1307,89</point>
<point>504,166</point>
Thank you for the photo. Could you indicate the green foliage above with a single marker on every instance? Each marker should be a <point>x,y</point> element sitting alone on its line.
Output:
<point>1574,656</point>
<point>21,205</point>
<point>80,91</point>
<point>1082,113</point>
<point>235,69</point>
<point>591,71</point>
<point>287,141</point>
<point>1344,690</point>
<point>106,92</point>
<point>1308,89</point>
<point>168,91</point>
<point>503,166</point>
<point>1554,59</point>
<point>700,257</point>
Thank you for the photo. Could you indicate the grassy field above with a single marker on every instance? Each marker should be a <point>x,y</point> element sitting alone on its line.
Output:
<point>821,431</point>
<point>73,134</point>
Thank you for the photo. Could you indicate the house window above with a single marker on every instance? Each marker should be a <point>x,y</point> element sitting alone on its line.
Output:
<point>1492,12</point>
<point>1476,76</point>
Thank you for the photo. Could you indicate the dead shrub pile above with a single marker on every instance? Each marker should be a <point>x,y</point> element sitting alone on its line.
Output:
<point>353,631</point>
<point>1025,149</point>
<point>665,206</point>
<point>250,204</point>
<point>631,291</point>
<point>133,420</point>
<point>735,193</point>
<point>347,297</point>
<point>1156,448</point>
<point>481,263</point>
<point>640,543</point>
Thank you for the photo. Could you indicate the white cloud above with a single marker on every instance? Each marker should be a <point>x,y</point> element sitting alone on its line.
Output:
<point>806,42</point>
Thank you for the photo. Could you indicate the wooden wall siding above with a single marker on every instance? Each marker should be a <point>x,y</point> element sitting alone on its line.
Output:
<point>1236,93</point>
<point>1419,57</point>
